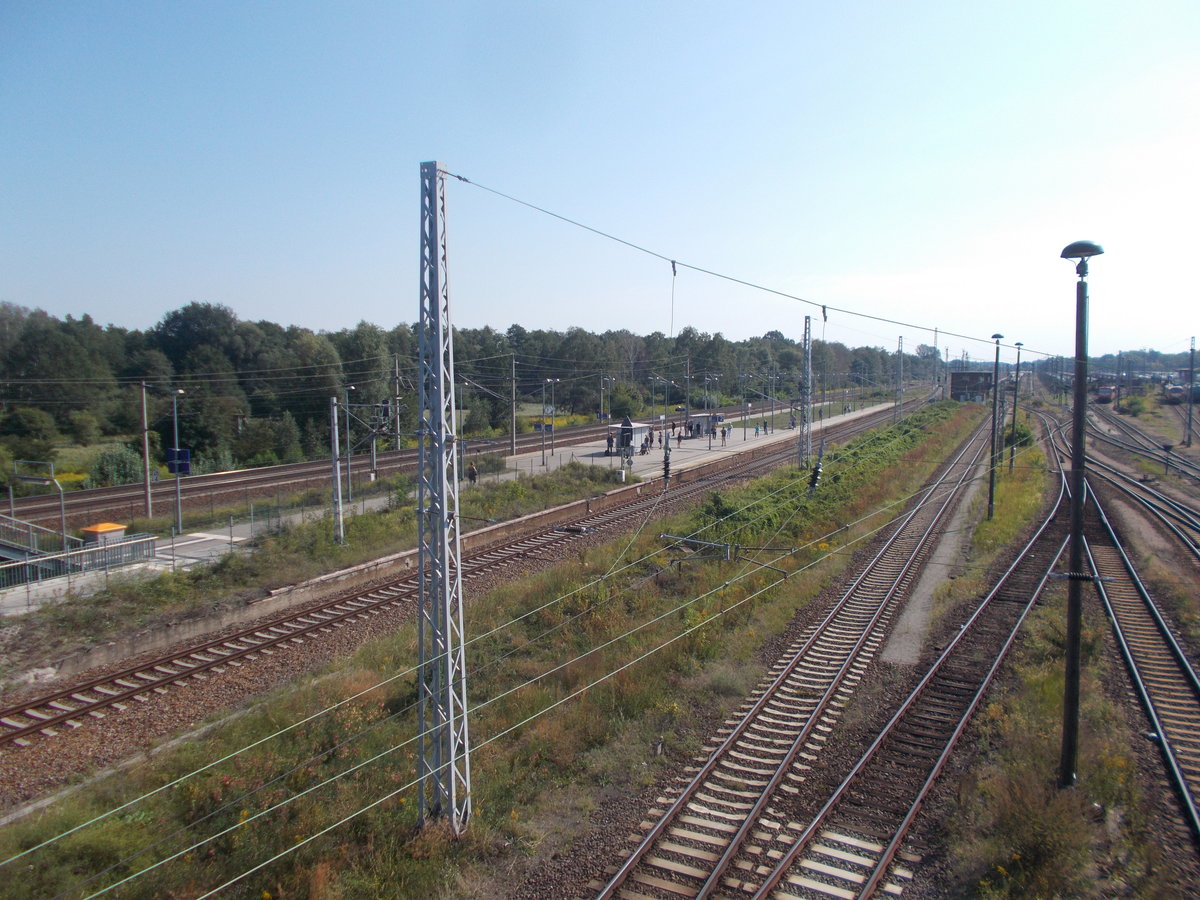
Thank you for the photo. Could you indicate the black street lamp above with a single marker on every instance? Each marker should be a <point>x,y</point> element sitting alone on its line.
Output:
<point>995,412</point>
<point>1012,448</point>
<point>178,489</point>
<point>1081,251</point>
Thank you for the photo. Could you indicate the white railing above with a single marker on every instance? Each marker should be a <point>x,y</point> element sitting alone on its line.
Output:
<point>34,538</point>
<point>92,558</point>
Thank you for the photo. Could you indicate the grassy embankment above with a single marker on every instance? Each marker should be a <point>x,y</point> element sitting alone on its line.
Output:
<point>1011,832</point>
<point>293,553</point>
<point>562,708</point>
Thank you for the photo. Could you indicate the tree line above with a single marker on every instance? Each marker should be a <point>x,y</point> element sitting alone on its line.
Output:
<point>256,393</point>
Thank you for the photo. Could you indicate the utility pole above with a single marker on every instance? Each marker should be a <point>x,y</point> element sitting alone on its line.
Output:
<point>806,397</point>
<point>146,457</point>
<point>396,407</point>
<point>349,446</point>
<point>1191,389</point>
<point>543,424</point>
<point>937,364</point>
<point>339,533</point>
<point>1117,399</point>
<point>899,379</point>
<point>991,505</point>
<point>687,400</point>
<point>178,486</point>
<point>512,408</point>
<point>443,748</point>
<point>1012,447</point>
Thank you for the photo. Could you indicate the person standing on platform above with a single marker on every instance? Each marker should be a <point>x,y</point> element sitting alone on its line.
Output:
<point>472,473</point>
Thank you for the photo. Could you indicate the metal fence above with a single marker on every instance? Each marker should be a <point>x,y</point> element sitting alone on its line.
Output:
<point>92,558</point>
<point>34,538</point>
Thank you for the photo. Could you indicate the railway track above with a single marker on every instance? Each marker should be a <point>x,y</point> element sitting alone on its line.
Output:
<point>1164,678</point>
<point>1137,442</point>
<point>1178,517</point>
<point>854,845</point>
<point>199,491</point>
<point>73,706</point>
<point>1181,411</point>
<point>241,486</point>
<point>716,834</point>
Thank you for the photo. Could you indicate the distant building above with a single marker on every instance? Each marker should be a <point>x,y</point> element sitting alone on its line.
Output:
<point>967,387</point>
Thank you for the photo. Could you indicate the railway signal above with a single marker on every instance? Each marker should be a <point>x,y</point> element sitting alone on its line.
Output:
<point>815,478</point>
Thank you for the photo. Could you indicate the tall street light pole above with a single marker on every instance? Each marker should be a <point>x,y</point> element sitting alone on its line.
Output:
<point>1187,434</point>
<point>178,489</point>
<point>1012,447</point>
<point>995,410</point>
<point>1081,251</point>
<point>553,411</point>
<point>349,448</point>
<point>544,423</point>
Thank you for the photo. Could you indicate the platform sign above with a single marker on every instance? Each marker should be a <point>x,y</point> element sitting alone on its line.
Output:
<point>179,461</point>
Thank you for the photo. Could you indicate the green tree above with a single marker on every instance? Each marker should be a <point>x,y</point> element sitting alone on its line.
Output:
<point>184,331</point>
<point>29,433</point>
<point>85,427</point>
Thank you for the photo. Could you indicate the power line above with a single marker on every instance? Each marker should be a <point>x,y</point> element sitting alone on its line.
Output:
<point>824,307</point>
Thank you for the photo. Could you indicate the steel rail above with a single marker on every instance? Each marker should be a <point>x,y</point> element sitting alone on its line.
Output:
<point>1169,512</point>
<point>797,657</point>
<point>1164,678</point>
<point>151,677</point>
<point>1143,445</point>
<point>946,685</point>
<point>264,480</point>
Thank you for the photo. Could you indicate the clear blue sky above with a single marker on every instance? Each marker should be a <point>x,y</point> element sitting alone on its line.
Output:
<point>920,161</point>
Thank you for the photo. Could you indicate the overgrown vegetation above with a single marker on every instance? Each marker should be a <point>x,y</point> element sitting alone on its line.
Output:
<point>552,706</point>
<point>1012,833</point>
<point>1016,835</point>
<point>257,393</point>
<point>296,551</point>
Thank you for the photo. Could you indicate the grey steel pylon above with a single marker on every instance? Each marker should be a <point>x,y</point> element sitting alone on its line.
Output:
<point>443,761</point>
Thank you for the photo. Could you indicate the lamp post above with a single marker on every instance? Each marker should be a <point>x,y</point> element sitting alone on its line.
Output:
<point>1012,448</point>
<point>666,384</point>
<point>553,412</point>
<point>707,415</point>
<point>349,448</point>
<point>1081,251</point>
<point>604,379</point>
<point>1187,433</point>
<point>178,489</point>
<point>544,423</point>
<point>995,410</point>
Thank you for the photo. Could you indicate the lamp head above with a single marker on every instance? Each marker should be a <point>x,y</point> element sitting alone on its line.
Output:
<point>996,337</point>
<point>1081,250</point>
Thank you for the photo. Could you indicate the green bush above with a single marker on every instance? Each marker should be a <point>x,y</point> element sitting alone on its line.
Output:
<point>116,465</point>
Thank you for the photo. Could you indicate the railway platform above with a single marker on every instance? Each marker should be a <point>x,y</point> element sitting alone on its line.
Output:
<point>686,453</point>
<point>186,550</point>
